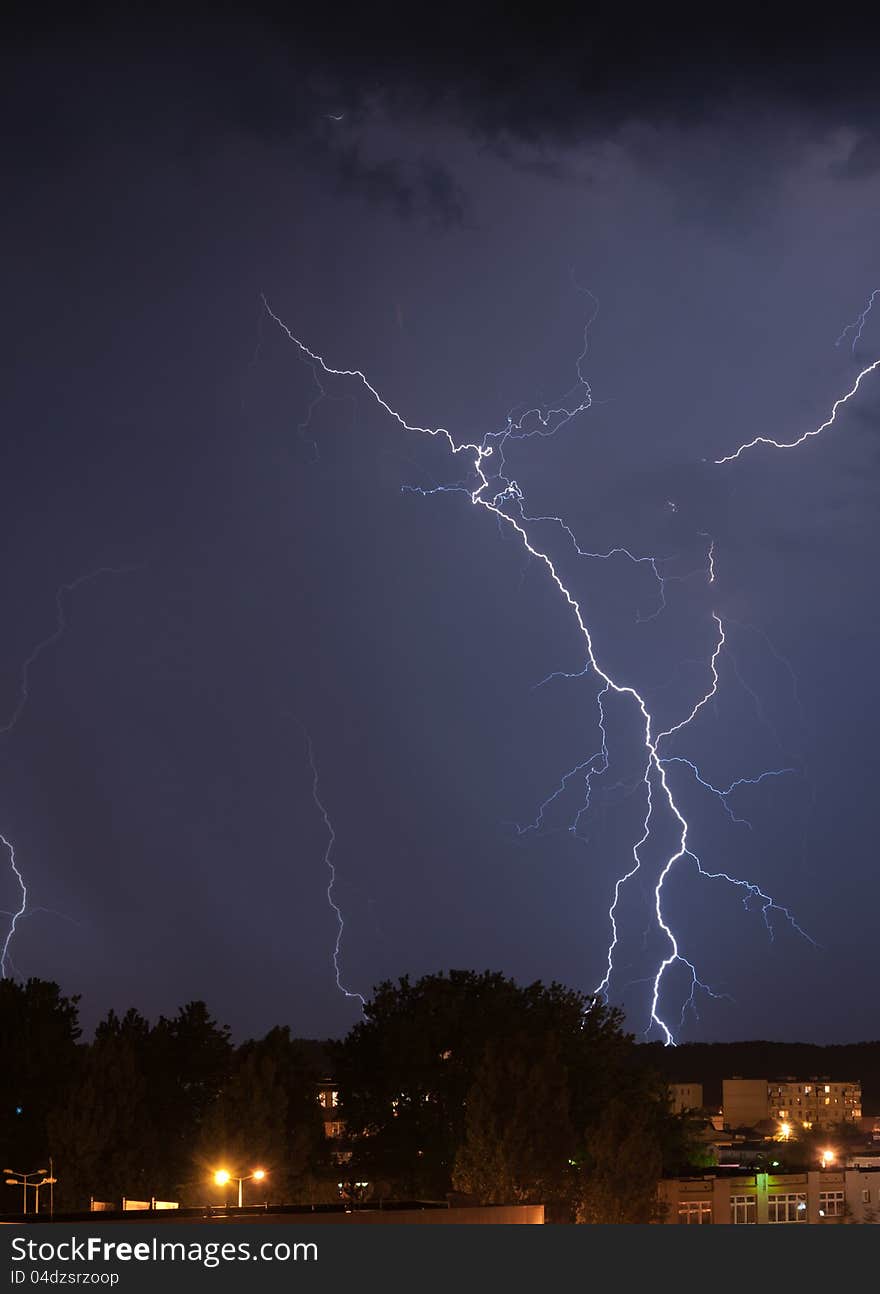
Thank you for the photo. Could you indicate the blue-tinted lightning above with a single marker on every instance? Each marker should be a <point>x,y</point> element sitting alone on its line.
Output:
<point>856,328</point>
<point>814,431</point>
<point>16,916</point>
<point>489,488</point>
<point>18,709</point>
<point>331,869</point>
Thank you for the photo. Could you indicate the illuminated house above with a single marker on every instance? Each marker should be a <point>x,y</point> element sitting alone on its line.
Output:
<point>827,1195</point>
<point>794,1102</point>
<point>334,1127</point>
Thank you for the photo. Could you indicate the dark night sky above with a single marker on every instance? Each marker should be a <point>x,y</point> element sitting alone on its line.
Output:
<point>719,197</point>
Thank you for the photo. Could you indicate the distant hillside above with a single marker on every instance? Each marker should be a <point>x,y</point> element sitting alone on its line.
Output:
<point>710,1062</point>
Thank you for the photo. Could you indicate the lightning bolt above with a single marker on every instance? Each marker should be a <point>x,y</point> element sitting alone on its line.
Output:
<point>331,869</point>
<point>856,328</point>
<point>491,489</point>
<point>814,431</point>
<point>16,916</point>
<point>18,709</point>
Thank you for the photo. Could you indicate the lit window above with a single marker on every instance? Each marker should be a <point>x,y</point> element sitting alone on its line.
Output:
<point>866,1197</point>
<point>791,1207</point>
<point>695,1212</point>
<point>827,1088</point>
<point>743,1209</point>
<point>831,1204</point>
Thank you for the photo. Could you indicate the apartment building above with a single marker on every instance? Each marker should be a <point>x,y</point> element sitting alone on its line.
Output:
<point>791,1103</point>
<point>825,1196</point>
<point>814,1103</point>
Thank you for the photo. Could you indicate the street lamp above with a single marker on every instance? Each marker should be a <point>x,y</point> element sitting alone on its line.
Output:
<point>222,1177</point>
<point>46,1181</point>
<point>22,1179</point>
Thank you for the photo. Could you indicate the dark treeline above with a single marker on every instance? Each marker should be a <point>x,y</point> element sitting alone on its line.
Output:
<point>710,1062</point>
<point>150,1110</point>
<point>458,1083</point>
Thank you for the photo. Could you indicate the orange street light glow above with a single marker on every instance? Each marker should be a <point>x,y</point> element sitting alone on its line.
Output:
<point>221,1177</point>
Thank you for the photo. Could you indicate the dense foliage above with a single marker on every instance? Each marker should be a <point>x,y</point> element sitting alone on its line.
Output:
<point>473,1082</point>
<point>457,1083</point>
<point>151,1110</point>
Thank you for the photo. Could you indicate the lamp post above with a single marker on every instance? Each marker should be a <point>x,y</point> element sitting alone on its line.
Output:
<point>22,1179</point>
<point>222,1177</point>
<point>46,1181</point>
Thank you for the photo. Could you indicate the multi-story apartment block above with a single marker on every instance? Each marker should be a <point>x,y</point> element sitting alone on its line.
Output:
<point>737,1198</point>
<point>814,1103</point>
<point>792,1103</point>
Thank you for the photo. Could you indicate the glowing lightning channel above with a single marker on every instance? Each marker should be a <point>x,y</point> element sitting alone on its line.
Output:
<point>16,916</point>
<point>331,868</point>
<point>494,500</point>
<point>815,431</point>
<point>18,710</point>
<point>856,328</point>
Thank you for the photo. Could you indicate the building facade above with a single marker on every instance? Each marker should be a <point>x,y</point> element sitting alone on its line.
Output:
<point>685,1096</point>
<point>826,1196</point>
<point>795,1102</point>
<point>814,1103</point>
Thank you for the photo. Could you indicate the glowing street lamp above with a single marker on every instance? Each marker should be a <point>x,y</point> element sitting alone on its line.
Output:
<point>49,1181</point>
<point>222,1178</point>
<point>827,1158</point>
<point>784,1131</point>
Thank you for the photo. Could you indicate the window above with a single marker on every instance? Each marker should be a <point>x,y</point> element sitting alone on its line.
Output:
<point>831,1204</point>
<point>866,1197</point>
<point>328,1099</point>
<point>742,1209</point>
<point>695,1212</point>
<point>787,1208</point>
<point>334,1129</point>
<point>827,1088</point>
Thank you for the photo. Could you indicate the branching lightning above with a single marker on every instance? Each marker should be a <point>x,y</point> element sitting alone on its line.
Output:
<point>490,488</point>
<point>856,328</point>
<point>16,916</point>
<point>331,869</point>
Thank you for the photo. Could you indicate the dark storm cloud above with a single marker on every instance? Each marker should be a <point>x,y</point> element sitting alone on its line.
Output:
<point>424,189</point>
<point>525,83</point>
<point>182,92</point>
<point>863,158</point>
<point>542,73</point>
